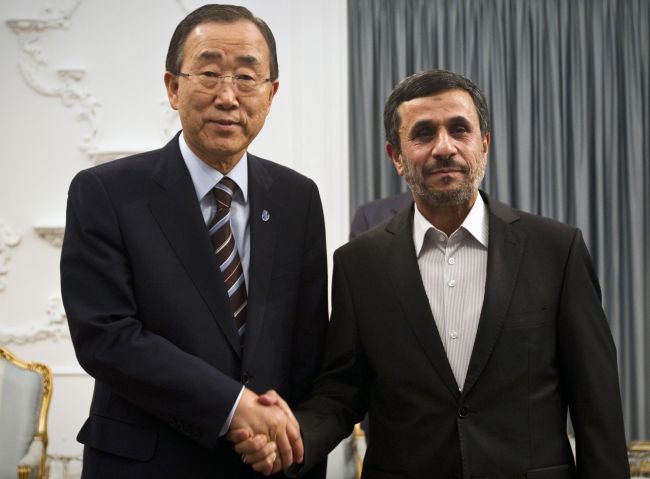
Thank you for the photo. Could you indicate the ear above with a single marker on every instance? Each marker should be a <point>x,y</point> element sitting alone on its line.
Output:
<point>171,84</point>
<point>396,157</point>
<point>486,142</point>
<point>274,89</point>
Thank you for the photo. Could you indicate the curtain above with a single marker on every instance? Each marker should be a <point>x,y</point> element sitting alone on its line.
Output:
<point>568,85</point>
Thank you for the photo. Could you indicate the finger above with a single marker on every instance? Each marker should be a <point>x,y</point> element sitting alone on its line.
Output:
<point>269,398</point>
<point>265,467</point>
<point>284,448</point>
<point>297,446</point>
<point>277,466</point>
<point>262,454</point>
<point>238,435</point>
<point>252,445</point>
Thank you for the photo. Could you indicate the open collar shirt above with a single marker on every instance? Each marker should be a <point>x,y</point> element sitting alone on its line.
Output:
<point>453,270</point>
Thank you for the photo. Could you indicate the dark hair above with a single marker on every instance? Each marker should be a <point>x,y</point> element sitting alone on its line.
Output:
<point>427,83</point>
<point>219,14</point>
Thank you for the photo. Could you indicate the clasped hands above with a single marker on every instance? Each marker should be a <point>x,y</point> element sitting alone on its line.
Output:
<point>266,433</point>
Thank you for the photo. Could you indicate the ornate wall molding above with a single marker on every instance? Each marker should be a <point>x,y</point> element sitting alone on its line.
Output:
<point>53,234</point>
<point>186,8</point>
<point>8,239</point>
<point>99,157</point>
<point>64,83</point>
<point>54,327</point>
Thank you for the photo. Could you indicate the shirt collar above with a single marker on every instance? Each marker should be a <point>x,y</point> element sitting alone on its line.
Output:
<point>475,223</point>
<point>205,177</point>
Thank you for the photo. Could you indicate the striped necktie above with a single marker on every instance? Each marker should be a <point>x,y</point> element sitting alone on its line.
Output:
<point>226,252</point>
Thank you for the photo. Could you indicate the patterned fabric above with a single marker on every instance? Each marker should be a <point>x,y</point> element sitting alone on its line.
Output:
<point>226,252</point>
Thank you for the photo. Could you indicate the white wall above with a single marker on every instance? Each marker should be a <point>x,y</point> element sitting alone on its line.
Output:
<point>81,83</point>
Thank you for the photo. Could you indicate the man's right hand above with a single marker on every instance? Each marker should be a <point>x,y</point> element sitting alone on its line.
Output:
<point>261,428</point>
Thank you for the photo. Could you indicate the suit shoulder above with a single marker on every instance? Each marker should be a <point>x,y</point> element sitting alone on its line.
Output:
<point>122,168</point>
<point>367,242</point>
<point>279,172</point>
<point>534,223</point>
<point>530,222</point>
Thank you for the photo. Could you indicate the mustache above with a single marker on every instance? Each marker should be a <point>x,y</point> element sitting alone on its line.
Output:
<point>440,164</point>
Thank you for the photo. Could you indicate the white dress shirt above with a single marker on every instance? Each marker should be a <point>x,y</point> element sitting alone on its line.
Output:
<point>453,271</point>
<point>205,178</point>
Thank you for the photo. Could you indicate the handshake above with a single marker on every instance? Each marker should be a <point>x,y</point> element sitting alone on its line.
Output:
<point>266,433</point>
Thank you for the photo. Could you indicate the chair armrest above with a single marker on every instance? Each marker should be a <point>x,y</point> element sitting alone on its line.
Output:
<point>32,460</point>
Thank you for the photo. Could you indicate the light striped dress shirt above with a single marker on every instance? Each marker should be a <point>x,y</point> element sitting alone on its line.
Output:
<point>453,271</point>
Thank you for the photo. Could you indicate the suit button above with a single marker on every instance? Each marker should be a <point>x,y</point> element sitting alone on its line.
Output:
<point>463,412</point>
<point>246,377</point>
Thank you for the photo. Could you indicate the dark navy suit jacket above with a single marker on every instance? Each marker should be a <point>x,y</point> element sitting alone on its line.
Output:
<point>150,319</point>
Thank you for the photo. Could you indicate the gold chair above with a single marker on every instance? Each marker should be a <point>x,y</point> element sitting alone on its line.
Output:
<point>25,395</point>
<point>639,456</point>
<point>359,447</point>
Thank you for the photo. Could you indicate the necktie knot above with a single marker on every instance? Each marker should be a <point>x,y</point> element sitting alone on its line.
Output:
<point>224,191</point>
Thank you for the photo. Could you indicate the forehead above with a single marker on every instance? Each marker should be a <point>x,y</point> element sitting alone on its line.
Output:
<point>218,42</point>
<point>438,108</point>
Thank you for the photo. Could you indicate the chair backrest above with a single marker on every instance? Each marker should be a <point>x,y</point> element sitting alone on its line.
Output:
<point>25,393</point>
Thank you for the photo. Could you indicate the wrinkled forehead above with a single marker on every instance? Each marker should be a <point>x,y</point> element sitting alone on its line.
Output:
<point>239,43</point>
<point>440,107</point>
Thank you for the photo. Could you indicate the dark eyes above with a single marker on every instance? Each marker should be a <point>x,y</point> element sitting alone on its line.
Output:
<point>241,77</point>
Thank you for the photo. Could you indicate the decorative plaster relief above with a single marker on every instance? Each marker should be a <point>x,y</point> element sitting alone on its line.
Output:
<point>8,239</point>
<point>184,6</point>
<point>67,83</point>
<point>53,234</point>
<point>99,157</point>
<point>54,327</point>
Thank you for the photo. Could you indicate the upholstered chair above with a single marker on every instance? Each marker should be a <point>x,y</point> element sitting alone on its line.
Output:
<point>25,393</point>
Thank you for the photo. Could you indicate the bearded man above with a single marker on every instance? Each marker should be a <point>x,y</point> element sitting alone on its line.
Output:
<point>465,328</point>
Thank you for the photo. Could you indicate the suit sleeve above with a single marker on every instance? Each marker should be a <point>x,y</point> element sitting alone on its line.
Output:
<point>589,371</point>
<point>111,343</point>
<point>339,399</point>
<point>311,313</point>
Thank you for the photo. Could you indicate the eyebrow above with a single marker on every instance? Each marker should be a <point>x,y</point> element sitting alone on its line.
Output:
<point>454,120</point>
<point>210,55</point>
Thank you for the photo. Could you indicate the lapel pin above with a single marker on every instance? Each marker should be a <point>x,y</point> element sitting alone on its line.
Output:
<point>265,215</point>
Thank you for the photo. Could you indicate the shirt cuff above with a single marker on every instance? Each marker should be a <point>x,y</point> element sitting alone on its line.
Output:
<point>226,425</point>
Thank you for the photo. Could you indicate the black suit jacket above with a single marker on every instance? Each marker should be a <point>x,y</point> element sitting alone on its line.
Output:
<point>150,319</point>
<point>543,345</point>
<point>374,212</point>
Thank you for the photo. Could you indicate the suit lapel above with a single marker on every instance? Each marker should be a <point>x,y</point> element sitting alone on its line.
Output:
<point>404,273</point>
<point>505,250</point>
<point>178,214</point>
<point>263,234</point>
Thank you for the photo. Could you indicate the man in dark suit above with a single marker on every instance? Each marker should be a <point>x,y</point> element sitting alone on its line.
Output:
<point>374,212</point>
<point>467,329</point>
<point>195,276</point>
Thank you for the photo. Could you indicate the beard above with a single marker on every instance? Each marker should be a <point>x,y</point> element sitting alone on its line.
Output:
<point>472,178</point>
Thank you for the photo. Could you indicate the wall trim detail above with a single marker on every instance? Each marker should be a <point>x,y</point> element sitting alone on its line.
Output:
<point>67,83</point>
<point>55,327</point>
<point>8,239</point>
<point>53,234</point>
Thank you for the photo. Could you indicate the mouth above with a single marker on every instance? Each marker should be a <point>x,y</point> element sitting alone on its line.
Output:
<point>225,125</point>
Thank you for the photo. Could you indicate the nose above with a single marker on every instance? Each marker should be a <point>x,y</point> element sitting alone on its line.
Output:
<point>225,96</point>
<point>444,145</point>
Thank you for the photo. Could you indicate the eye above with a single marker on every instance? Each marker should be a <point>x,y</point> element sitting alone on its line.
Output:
<point>244,78</point>
<point>422,134</point>
<point>209,74</point>
<point>458,130</point>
